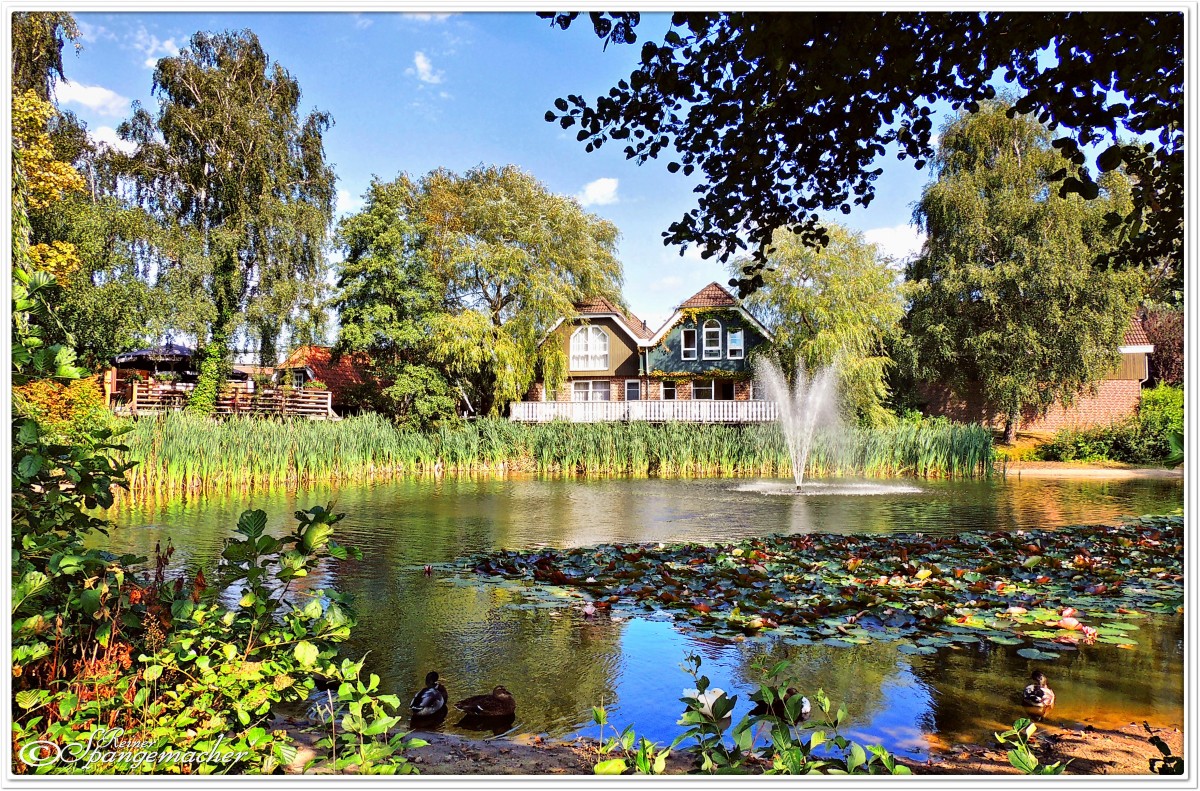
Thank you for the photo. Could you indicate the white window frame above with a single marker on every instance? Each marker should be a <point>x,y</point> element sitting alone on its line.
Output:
<point>739,346</point>
<point>589,349</point>
<point>756,393</point>
<point>712,351</point>
<point>637,383</point>
<point>710,388</point>
<point>594,387</point>
<point>662,392</point>
<point>296,377</point>
<point>687,352</point>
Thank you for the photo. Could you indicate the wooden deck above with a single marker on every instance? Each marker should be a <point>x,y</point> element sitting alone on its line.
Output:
<point>144,398</point>
<point>650,411</point>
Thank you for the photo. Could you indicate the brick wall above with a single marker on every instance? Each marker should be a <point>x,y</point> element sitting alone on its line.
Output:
<point>1113,400</point>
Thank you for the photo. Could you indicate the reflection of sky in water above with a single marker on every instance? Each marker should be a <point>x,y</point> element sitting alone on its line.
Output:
<point>558,664</point>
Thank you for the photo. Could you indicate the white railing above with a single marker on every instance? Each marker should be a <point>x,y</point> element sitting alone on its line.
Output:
<point>654,411</point>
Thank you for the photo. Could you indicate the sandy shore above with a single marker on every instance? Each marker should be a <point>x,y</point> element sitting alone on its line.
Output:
<point>1066,469</point>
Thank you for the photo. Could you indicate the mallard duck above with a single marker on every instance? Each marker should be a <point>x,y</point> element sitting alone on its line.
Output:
<point>1037,695</point>
<point>778,706</point>
<point>500,703</point>
<point>431,699</point>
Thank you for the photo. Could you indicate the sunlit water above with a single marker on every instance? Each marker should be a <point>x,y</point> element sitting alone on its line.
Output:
<point>558,664</point>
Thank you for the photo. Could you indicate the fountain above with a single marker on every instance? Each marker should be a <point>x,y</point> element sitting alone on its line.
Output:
<point>810,402</point>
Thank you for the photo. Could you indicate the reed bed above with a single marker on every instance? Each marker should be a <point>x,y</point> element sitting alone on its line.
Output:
<point>180,451</point>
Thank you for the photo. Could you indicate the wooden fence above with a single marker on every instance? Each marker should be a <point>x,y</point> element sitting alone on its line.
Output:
<point>155,399</point>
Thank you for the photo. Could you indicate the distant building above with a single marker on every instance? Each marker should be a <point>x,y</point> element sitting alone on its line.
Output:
<point>695,367</point>
<point>340,375</point>
<point>1116,396</point>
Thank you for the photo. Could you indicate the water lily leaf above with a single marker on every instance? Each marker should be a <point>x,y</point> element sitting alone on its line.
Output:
<point>1036,654</point>
<point>1001,640</point>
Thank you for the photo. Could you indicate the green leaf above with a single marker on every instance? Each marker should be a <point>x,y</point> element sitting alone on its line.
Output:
<point>613,766</point>
<point>306,653</point>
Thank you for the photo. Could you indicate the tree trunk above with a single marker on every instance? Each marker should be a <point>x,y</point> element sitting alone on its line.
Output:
<point>1010,428</point>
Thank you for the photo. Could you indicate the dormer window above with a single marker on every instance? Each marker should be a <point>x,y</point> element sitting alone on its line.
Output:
<point>589,349</point>
<point>736,343</point>
<point>712,340</point>
<point>688,343</point>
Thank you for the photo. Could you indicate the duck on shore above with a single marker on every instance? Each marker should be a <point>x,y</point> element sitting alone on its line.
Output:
<point>431,699</point>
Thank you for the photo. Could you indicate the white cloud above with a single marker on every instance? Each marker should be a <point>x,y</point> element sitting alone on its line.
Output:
<point>423,69</point>
<point>92,33</point>
<point>362,22</point>
<point>94,97</point>
<point>899,241</point>
<point>600,192</point>
<point>108,136</point>
<point>427,17</point>
<point>153,47</point>
<point>348,203</point>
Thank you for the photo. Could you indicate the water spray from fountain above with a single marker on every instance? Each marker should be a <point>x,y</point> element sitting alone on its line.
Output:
<point>810,402</point>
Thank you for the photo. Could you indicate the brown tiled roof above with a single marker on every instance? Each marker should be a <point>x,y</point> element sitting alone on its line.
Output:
<point>347,371</point>
<point>1136,334</point>
<point>593,306</point>
<point>711,296</point>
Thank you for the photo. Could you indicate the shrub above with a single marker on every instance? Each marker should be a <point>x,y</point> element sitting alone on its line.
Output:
<point>68,410</point>
<point>1143,439</point>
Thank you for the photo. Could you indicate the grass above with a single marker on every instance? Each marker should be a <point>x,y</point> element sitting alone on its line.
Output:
<point>183,451</point>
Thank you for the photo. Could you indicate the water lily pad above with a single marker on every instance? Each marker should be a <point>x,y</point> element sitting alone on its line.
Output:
<point>1037,654</point>
<point>909,648</point>
<point>1001,640</point>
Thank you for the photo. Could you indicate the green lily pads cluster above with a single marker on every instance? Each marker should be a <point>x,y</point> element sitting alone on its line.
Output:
<point>1047,590</point>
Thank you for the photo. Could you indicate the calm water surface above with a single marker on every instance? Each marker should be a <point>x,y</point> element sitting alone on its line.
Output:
<point>558,664</point>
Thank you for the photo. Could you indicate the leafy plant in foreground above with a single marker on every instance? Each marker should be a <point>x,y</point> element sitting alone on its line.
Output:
<point>650,758</point>
<point>1021,756</point>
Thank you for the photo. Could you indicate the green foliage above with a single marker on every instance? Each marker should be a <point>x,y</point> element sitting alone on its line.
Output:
<point>1153,436</point>
<point>363,744</point>
<point>458,277</point>
<point>649,758</point>
<point>1021,756</point>
<point>1006,293</point>
<point>1168,764</point>
<point>32,357</point>
<point>721,93</point>
<point>238,182</point>
<point>707,719</point>
<point>38,38</point>
<point>836,305</point>
<point>182,451</point>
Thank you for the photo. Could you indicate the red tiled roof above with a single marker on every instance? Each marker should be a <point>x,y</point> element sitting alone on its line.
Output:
<point>711,296</point>
<point>593,306</point>
<point>1136,334</point>
<point>347,371</point>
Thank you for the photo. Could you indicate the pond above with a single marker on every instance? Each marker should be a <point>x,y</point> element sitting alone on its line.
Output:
<point>558,663</point>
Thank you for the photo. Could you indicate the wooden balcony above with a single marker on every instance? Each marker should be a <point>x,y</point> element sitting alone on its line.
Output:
<point>150,398</point>
<point>651,411</point>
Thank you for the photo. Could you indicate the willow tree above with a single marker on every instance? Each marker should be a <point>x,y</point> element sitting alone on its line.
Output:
<point>1006,291</point>
<point>836,305</point>
<point>239,180</point>
<point>451,282</point>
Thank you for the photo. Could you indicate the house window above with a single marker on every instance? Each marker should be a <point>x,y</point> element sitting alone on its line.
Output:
<point>668,391</point>
<point>590,390</point>
<point>689,344</point>
<point>297,378</point>
<point>736,343</point>
<point>589,349</point>
<point>633,390</point>
<point>702,390</point>
<point>756,390</point>
<point>724,390</point>
<point>712,340</point>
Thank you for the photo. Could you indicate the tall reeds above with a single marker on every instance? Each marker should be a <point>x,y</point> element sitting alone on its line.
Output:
<point>183,451</point>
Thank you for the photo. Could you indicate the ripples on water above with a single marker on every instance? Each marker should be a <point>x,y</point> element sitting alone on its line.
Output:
<point>559,664</point>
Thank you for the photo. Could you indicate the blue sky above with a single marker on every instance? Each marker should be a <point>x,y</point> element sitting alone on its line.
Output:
<point>413,92</point>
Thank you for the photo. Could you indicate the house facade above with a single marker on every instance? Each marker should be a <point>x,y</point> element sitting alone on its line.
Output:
<point>1114,398</point>
<point>696,367</point>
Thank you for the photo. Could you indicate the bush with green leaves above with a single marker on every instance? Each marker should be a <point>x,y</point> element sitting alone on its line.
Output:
<point>1147,438</point>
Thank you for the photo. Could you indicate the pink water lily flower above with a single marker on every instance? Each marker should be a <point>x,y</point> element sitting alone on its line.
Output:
<point>1089,634</point>
<point>1070,623</point>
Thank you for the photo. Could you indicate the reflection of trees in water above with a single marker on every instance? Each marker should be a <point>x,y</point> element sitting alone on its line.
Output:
<point>977,689</point>
<point>853,675</point>
<point>555,667</point>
